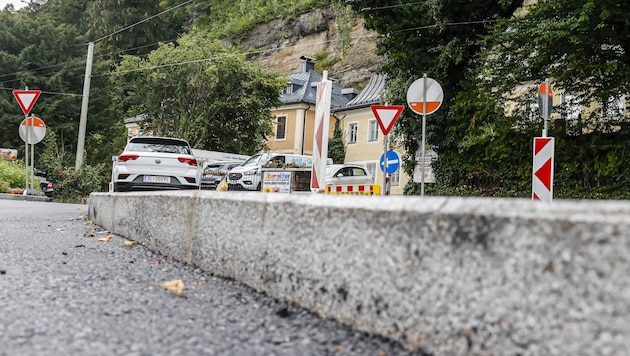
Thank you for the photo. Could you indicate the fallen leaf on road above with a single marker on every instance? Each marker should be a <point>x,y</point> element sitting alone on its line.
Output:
<point>89,222</point>
<point>175,286</point>
<point>130,243</point>
<point>107,238</point>
<point>61,229</point>
<point>88,235</point>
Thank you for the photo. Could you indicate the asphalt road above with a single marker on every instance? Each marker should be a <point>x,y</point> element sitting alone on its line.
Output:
<point>65,290</point>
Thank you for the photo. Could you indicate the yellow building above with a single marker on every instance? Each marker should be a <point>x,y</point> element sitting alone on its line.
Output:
<point>295,120</point>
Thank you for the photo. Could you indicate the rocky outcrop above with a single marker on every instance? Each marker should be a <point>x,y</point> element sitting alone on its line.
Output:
<point>316,34</point>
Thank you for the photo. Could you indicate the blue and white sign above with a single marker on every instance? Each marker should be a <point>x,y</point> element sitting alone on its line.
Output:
<point>393,162</point>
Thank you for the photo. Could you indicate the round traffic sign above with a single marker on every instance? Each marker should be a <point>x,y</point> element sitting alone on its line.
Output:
<point>393,162</point>
<point>416,96</point>
<point>32,130</point>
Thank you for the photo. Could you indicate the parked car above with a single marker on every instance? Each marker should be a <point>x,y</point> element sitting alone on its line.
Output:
<point>215,172</point>
<point>248,175</point>
<point>347,174</point>
<point>155,163</point>
<point>48,189</point>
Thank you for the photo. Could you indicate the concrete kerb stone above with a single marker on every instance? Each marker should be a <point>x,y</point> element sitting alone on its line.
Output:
<point>37,197</point>
<point>450,275</point>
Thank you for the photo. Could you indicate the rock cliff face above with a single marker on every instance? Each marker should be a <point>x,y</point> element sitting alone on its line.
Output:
<point>317,34</point>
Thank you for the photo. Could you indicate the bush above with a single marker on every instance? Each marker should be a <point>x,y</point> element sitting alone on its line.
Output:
<point>73,186</point>
<point>11,175</point>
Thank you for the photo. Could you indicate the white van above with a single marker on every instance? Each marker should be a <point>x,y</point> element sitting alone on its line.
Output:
<point>248,175</point>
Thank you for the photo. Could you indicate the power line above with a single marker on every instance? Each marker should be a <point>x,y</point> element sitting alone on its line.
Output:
<point>47,92</point>
<point>447,24</point>
<point>391,6</point>
<point>233,55</point>
<point>142,21</point>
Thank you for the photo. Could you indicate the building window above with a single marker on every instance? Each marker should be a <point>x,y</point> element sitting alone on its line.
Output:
<point>353,130</point>
<point>394,179</point>
<point>281,127</point>
<point>371,168</point>
<point>372,131</point>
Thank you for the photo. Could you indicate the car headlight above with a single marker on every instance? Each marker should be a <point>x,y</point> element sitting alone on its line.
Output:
<point>250,172</point>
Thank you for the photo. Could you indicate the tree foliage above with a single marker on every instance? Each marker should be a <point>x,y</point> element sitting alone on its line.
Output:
<point>483,53</point>
<point>200,90</point>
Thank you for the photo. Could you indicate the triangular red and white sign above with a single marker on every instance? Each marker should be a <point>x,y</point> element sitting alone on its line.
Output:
<point>386,116</point>
<point>26,99</point>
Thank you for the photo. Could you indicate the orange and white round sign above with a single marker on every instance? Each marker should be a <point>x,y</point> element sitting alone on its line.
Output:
<point>425,89</point>
<point>32,130</point>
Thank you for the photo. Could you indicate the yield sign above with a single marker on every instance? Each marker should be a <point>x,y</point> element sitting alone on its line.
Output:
<point>26,99</point>
<point>386,116</point>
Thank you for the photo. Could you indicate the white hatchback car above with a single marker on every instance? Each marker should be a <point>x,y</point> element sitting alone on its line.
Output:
<point>347,174</point>
<point>156,163</point>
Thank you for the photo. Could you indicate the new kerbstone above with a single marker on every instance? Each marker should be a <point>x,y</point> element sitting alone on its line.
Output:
<point>451,275</point>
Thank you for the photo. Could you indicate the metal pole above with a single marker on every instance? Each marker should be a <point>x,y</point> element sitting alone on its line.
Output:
<point>384,165</point>
<point>546,108</point>
<point>84,106</point>
<point>26,157</point>
<point>31,130</point>
<point>424,124</point>
<point>385,143</point>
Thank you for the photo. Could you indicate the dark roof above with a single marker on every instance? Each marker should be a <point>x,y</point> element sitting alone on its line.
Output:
<point>371,95</point>
<point>303,89</point>
<point>137,118</point>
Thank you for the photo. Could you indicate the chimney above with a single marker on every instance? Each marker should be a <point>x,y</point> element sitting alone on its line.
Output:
<point>308,64</point>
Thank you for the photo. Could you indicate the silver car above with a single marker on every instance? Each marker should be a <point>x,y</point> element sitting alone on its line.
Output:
<point>215,172</point>
<point>347,174</point>
<point>156,163</point>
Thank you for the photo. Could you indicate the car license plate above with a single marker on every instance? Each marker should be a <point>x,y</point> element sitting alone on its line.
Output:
<point>157,179</point>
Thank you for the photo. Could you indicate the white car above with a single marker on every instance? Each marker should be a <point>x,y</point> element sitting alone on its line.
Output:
<point>155,163</point>
<point>248,175</point>
<point>347,174</point>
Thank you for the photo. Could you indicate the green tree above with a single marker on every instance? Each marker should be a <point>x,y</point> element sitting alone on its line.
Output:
<point>202,91</point>
<point>439,39</point>
<point>336,146</point>
<point>581,45</point>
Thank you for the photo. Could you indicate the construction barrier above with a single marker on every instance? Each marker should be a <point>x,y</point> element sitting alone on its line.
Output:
<point>358,189</point>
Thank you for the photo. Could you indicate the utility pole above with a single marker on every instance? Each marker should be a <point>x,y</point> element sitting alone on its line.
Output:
<point>84,106</point>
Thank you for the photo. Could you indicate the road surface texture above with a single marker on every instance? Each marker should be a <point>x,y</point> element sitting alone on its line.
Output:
<point>69,288</point>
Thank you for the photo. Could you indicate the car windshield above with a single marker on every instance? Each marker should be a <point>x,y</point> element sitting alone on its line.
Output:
<point>161,145</point>
<point>253,160</point>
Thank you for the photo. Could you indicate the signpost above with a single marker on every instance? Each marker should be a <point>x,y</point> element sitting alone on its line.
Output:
<point>545,103</point>
<point>320,139</point>
<point>26,99</point>
<point>386,115</point>
<point>542,172</point>
<point>424,97</point>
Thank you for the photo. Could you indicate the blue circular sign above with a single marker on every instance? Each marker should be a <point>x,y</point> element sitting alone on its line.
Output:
<point>393,162</point>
